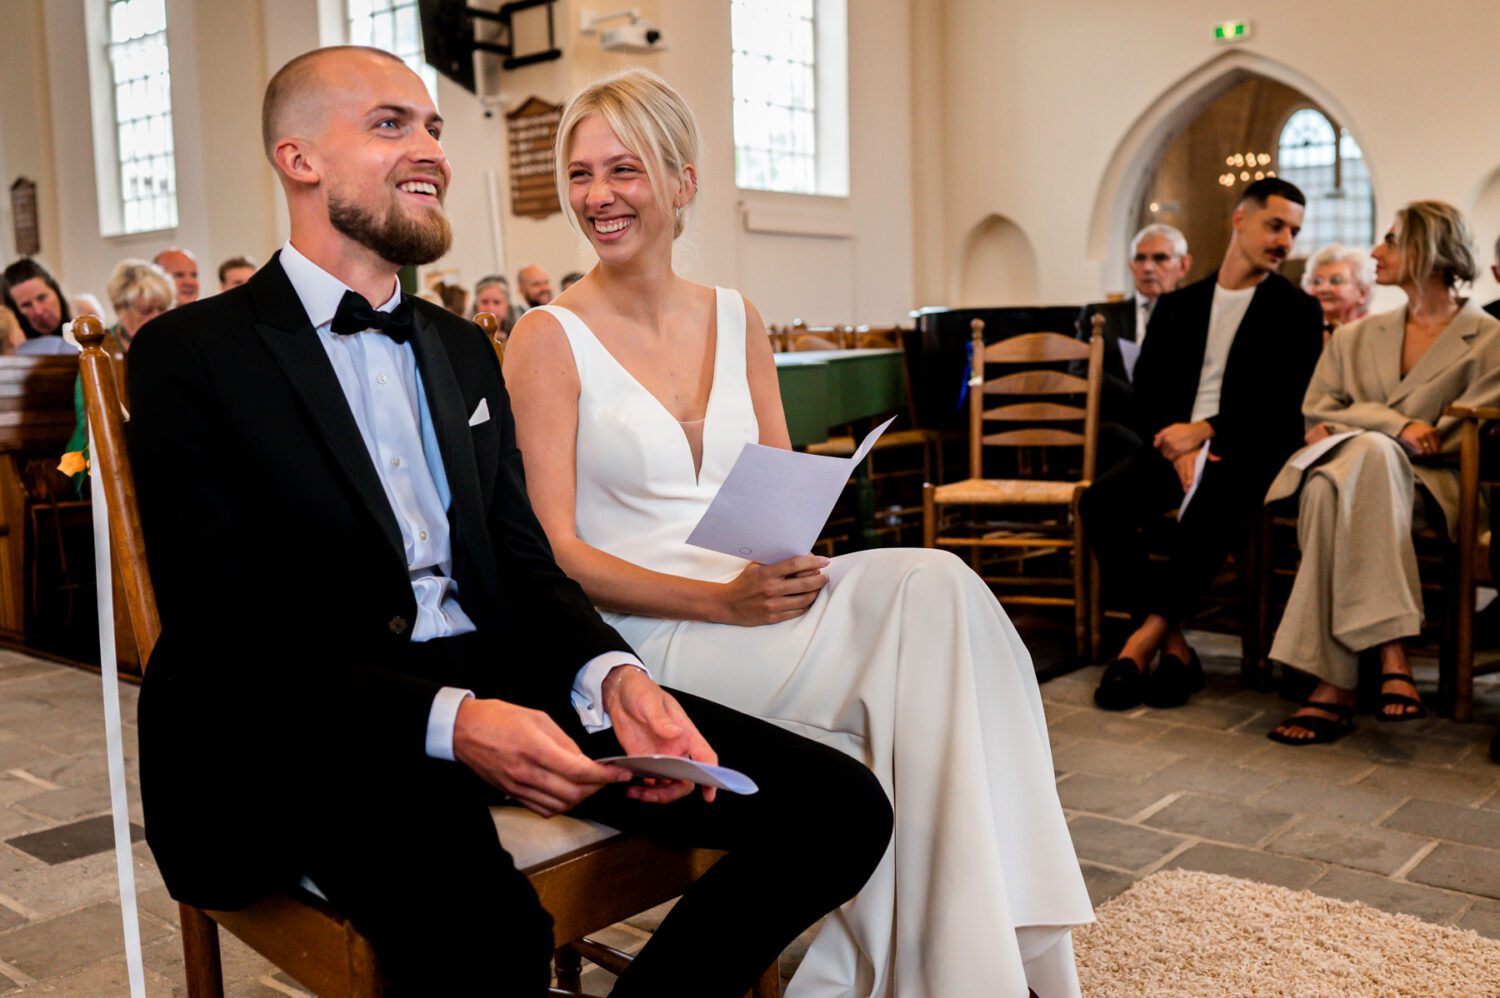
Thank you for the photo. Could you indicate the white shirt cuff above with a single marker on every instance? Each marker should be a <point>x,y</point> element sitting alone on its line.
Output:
<point>440,721</point>
<point>588,695</point>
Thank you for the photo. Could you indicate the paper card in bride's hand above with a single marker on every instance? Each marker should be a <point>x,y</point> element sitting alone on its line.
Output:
<point>672,767</point>
<point>774,502</point>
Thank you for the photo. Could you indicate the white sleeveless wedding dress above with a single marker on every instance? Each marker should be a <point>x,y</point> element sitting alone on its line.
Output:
<point>905,661</point>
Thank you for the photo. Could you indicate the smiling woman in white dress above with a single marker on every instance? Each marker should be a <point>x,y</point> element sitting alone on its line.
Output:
<point>634,393</point>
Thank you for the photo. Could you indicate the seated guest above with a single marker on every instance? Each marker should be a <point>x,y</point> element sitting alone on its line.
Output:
<point>183,267</point>
<point>38,302</point>
<point>534,284</point>
<point>571,278</point>
<point>317,423</point>
<point>138,292</point>
<point>492,295</point>
<point>235,271</point>
<point>1159,260</point>
<point>454,298</point>
<point>1493,308</point>
<point>1390,375</point>
<point>1219,390</point>
<point>87,304</point>
<point>1340,277</point>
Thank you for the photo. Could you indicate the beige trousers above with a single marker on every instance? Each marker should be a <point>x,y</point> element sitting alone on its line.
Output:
<point>1357,586</point>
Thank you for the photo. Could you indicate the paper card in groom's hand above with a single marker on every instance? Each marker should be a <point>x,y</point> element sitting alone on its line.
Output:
<point>774,502</point>
<point>673,767</point>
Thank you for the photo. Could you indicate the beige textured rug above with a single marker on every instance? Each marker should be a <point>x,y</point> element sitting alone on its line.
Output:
<point>1180,934</point>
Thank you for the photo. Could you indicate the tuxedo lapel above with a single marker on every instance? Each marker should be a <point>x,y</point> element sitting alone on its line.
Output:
<point>289,336</point>
<point>450,423</point>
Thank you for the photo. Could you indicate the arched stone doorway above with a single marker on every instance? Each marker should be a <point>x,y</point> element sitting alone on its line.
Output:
<point>1132,167</point>
<point>998,266</point>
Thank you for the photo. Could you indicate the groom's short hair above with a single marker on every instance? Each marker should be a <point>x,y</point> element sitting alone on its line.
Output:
<point>286,94</point>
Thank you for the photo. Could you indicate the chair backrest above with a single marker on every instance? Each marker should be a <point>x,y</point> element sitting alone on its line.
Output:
<point>491,326</point>
<point>112,478</point>
<point>1034,359</point>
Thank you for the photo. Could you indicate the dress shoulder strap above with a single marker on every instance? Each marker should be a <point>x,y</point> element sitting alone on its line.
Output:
<point>730,331</point>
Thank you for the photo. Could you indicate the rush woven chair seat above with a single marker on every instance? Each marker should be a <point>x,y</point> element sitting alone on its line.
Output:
<point>1036,406</point>
<point>588,876</point>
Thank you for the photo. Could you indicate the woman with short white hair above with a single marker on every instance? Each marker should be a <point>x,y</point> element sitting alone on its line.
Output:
<point>138,291</point>
<point>1340,277</point>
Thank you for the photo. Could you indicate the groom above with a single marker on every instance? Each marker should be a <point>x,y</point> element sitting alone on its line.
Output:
<point>365,635</point>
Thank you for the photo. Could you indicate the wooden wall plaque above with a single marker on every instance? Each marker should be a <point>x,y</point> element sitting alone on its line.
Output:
<point>532,129</point>
<point>24,218</point>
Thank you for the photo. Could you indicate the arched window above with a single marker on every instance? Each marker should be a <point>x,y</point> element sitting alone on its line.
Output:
<point>396,26</point>
<point>145,166</point>
<point>1326,163</point>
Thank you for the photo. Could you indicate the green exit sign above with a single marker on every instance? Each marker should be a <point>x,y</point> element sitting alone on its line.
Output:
<point>1232,31</point>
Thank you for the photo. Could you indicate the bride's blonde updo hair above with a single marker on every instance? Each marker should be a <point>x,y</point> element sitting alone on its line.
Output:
<point>650,119</point>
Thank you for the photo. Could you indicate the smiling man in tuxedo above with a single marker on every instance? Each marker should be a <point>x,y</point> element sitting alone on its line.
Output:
<point>365,634</point>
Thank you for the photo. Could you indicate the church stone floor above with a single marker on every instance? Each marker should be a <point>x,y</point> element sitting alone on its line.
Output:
<point>1404,817</point>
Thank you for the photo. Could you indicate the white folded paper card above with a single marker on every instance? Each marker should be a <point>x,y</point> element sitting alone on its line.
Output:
<point>774,502</point>
<point>673,767</point>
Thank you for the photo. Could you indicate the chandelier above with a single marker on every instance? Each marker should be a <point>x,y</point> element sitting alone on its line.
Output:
<point>1245,167</point>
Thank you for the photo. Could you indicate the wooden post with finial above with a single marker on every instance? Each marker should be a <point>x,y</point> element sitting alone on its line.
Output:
<point>111,475</point>
<point>976,398</point>
<point>491,326</point>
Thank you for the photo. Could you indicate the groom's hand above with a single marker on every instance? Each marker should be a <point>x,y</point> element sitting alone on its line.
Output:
<point>649,721</point>
<point>525,753</point>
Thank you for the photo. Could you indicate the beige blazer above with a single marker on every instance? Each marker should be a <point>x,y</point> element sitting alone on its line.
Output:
<point>1357,385</point>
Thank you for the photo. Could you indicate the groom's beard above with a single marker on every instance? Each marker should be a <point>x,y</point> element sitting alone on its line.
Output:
<point>396,236</point>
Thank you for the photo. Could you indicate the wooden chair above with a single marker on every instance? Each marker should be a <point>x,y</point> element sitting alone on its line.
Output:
<point>1033,358</point>
<point>1471,566</point>
<point>587,875</point>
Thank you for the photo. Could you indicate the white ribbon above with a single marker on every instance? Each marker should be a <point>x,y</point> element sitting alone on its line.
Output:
<point>113,737</point>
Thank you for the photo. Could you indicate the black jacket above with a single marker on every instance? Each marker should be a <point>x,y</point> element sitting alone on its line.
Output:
<point>285,599</point>
<point>1265,377</point>
<point>1116,394</point>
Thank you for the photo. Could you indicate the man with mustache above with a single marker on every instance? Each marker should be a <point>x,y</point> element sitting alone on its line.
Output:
<point>1223,370</point>
<point>364,635</point>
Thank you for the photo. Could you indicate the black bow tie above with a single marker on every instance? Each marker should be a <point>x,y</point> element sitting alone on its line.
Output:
<point>355,315</point>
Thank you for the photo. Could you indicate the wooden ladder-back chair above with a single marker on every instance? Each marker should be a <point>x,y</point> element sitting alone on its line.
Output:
<point>1033,359</point>
<point>588,876</point>
<point>1456,667</point>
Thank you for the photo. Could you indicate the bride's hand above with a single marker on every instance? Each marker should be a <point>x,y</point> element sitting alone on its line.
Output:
<point>769,594</point>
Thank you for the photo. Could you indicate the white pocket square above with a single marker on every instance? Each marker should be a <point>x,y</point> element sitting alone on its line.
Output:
<point>481,413</point>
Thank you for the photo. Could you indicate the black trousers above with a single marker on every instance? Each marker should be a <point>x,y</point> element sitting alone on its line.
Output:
<point>412,858</point>
<point>1132,497</point>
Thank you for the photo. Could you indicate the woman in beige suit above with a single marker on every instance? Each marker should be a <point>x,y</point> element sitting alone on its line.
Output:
<point>1390,376</point>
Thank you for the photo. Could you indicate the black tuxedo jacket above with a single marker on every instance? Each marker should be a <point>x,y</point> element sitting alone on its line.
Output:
<point>1265,377</point>
<point>284,594</point>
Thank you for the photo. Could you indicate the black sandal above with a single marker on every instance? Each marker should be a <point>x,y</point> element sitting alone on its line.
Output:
<point>1324,729</point>
<point>1399,699</point>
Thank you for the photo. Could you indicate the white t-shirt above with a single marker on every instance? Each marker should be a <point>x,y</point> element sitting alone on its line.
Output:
<point>1223,322</point>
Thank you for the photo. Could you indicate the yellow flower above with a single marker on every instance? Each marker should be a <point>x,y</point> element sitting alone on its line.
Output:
<point>72,463</point>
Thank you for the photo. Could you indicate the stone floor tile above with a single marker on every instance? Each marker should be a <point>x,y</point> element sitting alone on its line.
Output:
<point>240,963</point>
<point>1461,868</point>
<point>1330,800</point>
<point>1446,786</point>
<point>52,890</point>
<point>1114,843</point>
<point>1379,850</point>
<point>1388,743</point>
<point>1215,778</point>
<point>1224,821</point>
<point>108,977</point>
<point>9,919</point>
<point>1320,762</point>
<point>1130,762</point>
<point>1103,795</point>
<point>71,803</point>
<point>1247,864</point>
<point>1219,716</point>
<point>14,821</point>
<point>1445,821</point>
<point>22,667</point>
<point>55,946</point>
<point>75,840</point>
<point>1104,884</point>
<point>1207,743</point>
<point>650,919</point>
<point>1426,903</point>
<point>1483,918</point>
<point>1073,690</point>
<point>1109,726</point>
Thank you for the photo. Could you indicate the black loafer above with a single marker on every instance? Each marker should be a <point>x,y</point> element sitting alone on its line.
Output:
<point>1174,680</point>
<point>1122,686</point>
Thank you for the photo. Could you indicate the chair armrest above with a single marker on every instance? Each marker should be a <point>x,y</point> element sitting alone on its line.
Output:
<point>1472,412</point>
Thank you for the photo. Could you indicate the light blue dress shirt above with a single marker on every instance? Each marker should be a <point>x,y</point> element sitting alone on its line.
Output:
<point>383,386</point>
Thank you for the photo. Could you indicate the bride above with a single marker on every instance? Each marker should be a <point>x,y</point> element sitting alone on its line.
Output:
<point>633,395</point>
